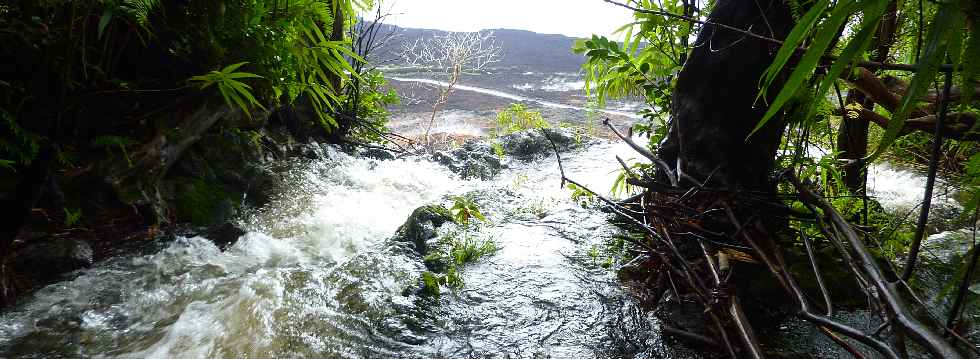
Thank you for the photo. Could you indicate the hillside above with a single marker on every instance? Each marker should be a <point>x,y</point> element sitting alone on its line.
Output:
<point>525,49</point>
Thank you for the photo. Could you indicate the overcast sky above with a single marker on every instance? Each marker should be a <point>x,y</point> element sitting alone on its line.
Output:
<point>578,18</point>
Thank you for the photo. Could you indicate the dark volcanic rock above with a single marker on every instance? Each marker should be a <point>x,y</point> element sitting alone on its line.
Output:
<point>377,153</point>
<point>527,145</point>
<point>475,159</point>
<point>224,235</point>
<point>46,260</point>
<point>421,226</point>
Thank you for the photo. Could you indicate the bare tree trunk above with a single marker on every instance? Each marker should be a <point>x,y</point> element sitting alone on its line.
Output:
<point>154,159</point>
<point>714,103</point>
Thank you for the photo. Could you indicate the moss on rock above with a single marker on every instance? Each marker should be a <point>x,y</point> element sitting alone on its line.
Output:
<point>200,202</point>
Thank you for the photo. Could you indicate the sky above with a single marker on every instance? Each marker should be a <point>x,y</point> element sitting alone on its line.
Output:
<point>576,18</point>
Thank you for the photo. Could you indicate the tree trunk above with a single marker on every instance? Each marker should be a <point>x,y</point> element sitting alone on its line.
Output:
<point>336,34</point>
<point>852,139</point>
<point>714,102</point>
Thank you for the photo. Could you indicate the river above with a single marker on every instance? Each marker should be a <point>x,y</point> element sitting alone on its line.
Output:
<point>316,275</point>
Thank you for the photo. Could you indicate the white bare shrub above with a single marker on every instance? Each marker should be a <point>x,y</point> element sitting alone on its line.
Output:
<point>451,54</point>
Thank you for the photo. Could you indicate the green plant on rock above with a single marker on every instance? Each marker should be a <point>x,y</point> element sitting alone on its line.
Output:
<point>498,149</point>
<point>457,248</point>
<point>517,117</point>
<point>430,284</point>
<point>581,196</point>
<point>464,209</point>
<point>469,249</point>
<point>72,217</point>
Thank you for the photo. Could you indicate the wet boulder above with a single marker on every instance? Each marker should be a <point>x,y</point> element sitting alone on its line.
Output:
<point>48,259</point>
<point>475,159</point>
<point>532,144</point>
<point>421,226</point>
<point>312,151</point>
<point>377,153</point>
<point>224,235</point>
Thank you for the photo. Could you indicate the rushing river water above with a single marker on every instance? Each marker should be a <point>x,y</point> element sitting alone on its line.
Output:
<point>316,277</point>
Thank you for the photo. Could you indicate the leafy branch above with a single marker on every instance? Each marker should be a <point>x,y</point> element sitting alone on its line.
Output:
<point>234,92</point>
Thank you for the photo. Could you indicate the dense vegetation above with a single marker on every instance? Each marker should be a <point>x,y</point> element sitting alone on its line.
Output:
<point>819,72</point>
<point>104,103</point>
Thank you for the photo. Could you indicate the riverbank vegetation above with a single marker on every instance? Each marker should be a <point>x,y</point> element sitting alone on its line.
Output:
<point>126,114</point>
<point>760,118</point>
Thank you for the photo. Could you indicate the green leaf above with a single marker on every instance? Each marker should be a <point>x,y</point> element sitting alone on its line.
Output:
<point>243,75</point>
<point>810,60</point>
<point>8,164</point>
<point>231,68</point>
<point>793,41</point>
<point>853,51</point>
<point>971,64</point>
<point>104,21</point>
<point>934,53</point>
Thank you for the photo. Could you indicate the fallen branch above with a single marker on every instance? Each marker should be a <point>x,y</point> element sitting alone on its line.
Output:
<point>957,125</point>
<point>886,291</point>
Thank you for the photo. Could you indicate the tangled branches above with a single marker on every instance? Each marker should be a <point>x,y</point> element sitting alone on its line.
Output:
<point>702,239</point>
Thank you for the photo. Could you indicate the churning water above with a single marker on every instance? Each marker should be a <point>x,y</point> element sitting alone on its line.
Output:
<point>316,276</point>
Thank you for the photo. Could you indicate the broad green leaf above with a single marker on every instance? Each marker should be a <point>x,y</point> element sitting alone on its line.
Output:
<point>810,60</point>
<point>243,75</point>
<point>104,21</point>
<point>971,64</point>
<point>934,53</point>
<point>793,41</point>
<point>231,68</point>
<point>853,51</point>
<point>8,164</point>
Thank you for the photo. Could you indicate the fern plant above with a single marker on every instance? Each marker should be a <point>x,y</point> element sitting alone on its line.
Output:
<point>234,92</point>
<point>136,12</point>
<point>110,141</point>
<point>18,143</point>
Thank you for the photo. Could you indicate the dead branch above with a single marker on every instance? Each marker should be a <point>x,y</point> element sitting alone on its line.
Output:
<point>957,125</point>
<point>643,151</point>
<point>884,290</point>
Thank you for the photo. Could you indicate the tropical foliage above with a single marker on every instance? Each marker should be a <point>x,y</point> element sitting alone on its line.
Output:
<point>71,65</point>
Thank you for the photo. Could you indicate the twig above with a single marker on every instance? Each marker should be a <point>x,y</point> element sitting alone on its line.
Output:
<point>816,273</point>
<point>700,339</point>
<point>884,290</point>
<point>920,229</point>
<point>643,151</point>
<point>954,313</point>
